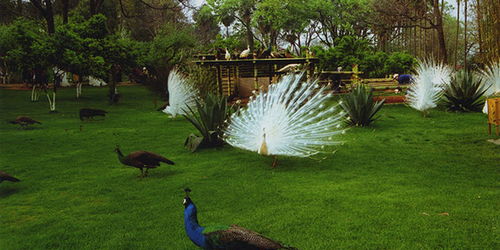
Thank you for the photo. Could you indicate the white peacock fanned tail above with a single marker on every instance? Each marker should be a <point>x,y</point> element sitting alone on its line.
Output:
<point>181,94</point>
<point>293,117</point>
<point>491,79</point>
<point>427,87</point>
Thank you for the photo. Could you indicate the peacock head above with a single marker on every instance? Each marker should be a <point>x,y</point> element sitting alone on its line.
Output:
<point>117,148</point>
<point>187,200</point>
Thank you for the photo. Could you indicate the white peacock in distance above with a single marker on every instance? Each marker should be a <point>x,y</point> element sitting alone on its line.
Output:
<point>181,94</point>
<point>290,119</point>
<point>427,87</point>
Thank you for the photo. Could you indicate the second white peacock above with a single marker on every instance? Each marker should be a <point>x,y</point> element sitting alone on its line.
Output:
<point>181,94</point>
<point>491,79</point>
<point>290,119</point>
<point>427,87</point>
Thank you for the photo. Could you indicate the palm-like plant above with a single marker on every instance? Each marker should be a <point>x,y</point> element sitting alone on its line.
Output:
<point>208,118</point>
<point>360,106</point>
<point>464,93</point>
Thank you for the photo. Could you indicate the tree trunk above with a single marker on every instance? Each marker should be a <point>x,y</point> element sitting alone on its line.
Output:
<point>247,18</point>
<point>49,16</point>
<point>47,12</point>
<point>95,6</point>
<point>65,7</point>
<point>465,34</point>
<point>458,31</point>
<point>112,92</point>
<point>20,7</point>
<point>440,31</point>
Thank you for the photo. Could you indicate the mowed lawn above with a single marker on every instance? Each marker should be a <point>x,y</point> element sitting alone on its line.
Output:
<point>407,182</point>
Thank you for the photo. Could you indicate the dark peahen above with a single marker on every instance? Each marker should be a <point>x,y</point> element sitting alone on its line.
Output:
<point>24,121</point>
<point>90,113</point>
<point>142,160</point>
<point>7,177</point>
<point>223,237</point>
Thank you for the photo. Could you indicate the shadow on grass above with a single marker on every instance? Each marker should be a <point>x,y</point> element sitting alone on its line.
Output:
<point>161,173</point>
<point>5,192</point>
<point>153,174</point>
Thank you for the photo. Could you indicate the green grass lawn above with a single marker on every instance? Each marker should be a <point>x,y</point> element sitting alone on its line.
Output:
<point>384,188</point>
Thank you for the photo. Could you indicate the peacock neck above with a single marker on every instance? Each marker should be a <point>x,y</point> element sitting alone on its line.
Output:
<point>193,229</point>
<point>121,157</point>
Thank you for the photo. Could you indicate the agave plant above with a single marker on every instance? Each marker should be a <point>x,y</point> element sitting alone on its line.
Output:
<point>464,93</point>
<point>208,117</point>
<point>360,106</point>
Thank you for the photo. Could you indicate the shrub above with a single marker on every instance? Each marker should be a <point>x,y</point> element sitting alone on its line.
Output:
<point>360,106</point>
<point>399,62</point>
<point>373,65</point>
<point>208,118</point>
<point>464,92</point>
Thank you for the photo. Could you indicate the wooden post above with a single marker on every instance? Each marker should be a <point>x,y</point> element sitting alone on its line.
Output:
<point>237,81</point>
<point>229,81</point>
<point>219,79</point>
<point>255,75</point>
<point>270,74</point>
<point>308,65</point>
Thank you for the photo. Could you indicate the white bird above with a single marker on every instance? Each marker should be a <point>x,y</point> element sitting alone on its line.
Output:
<point>290,67</point>
<point>245,53</point>
<point>290,119</point>
<point>427,87</point>
<point>181,94</point>
<point>228,55</point>
<point>491,79</point>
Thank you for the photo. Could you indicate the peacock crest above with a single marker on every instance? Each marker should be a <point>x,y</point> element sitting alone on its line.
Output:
<point>292,119</point>
<point>181,94</point>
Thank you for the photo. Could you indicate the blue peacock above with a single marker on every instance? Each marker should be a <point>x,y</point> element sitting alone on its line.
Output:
<point>223,237</point>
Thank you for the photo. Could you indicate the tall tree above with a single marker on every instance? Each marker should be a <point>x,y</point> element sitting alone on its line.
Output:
<point>458,29</point>
<point>241,10</point>
<point>465,34</point>
<point>424,14</point>
<point>45,9</point>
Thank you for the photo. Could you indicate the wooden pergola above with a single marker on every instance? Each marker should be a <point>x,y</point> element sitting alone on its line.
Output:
<point>232,75</point>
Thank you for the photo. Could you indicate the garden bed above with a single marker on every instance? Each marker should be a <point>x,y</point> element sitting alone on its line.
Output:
<point>391,99</point>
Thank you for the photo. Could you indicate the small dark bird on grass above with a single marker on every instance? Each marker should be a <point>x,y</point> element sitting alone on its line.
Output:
<point>142,160</point>
<point>7,177</point>
<point>223,237</point>
<point>90,113</point>
<point>24,121</point>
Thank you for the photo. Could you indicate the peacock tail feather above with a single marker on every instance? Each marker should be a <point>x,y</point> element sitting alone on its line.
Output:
<point>427,87</point>
<point>290,119</point>
<point>491,78</point>
<point>181,94</point>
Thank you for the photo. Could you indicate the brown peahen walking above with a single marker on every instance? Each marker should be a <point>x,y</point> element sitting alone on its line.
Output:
<point>24,121</point>
<point>223,237</point>
<point>7,177</point>
<point>142,160</point>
